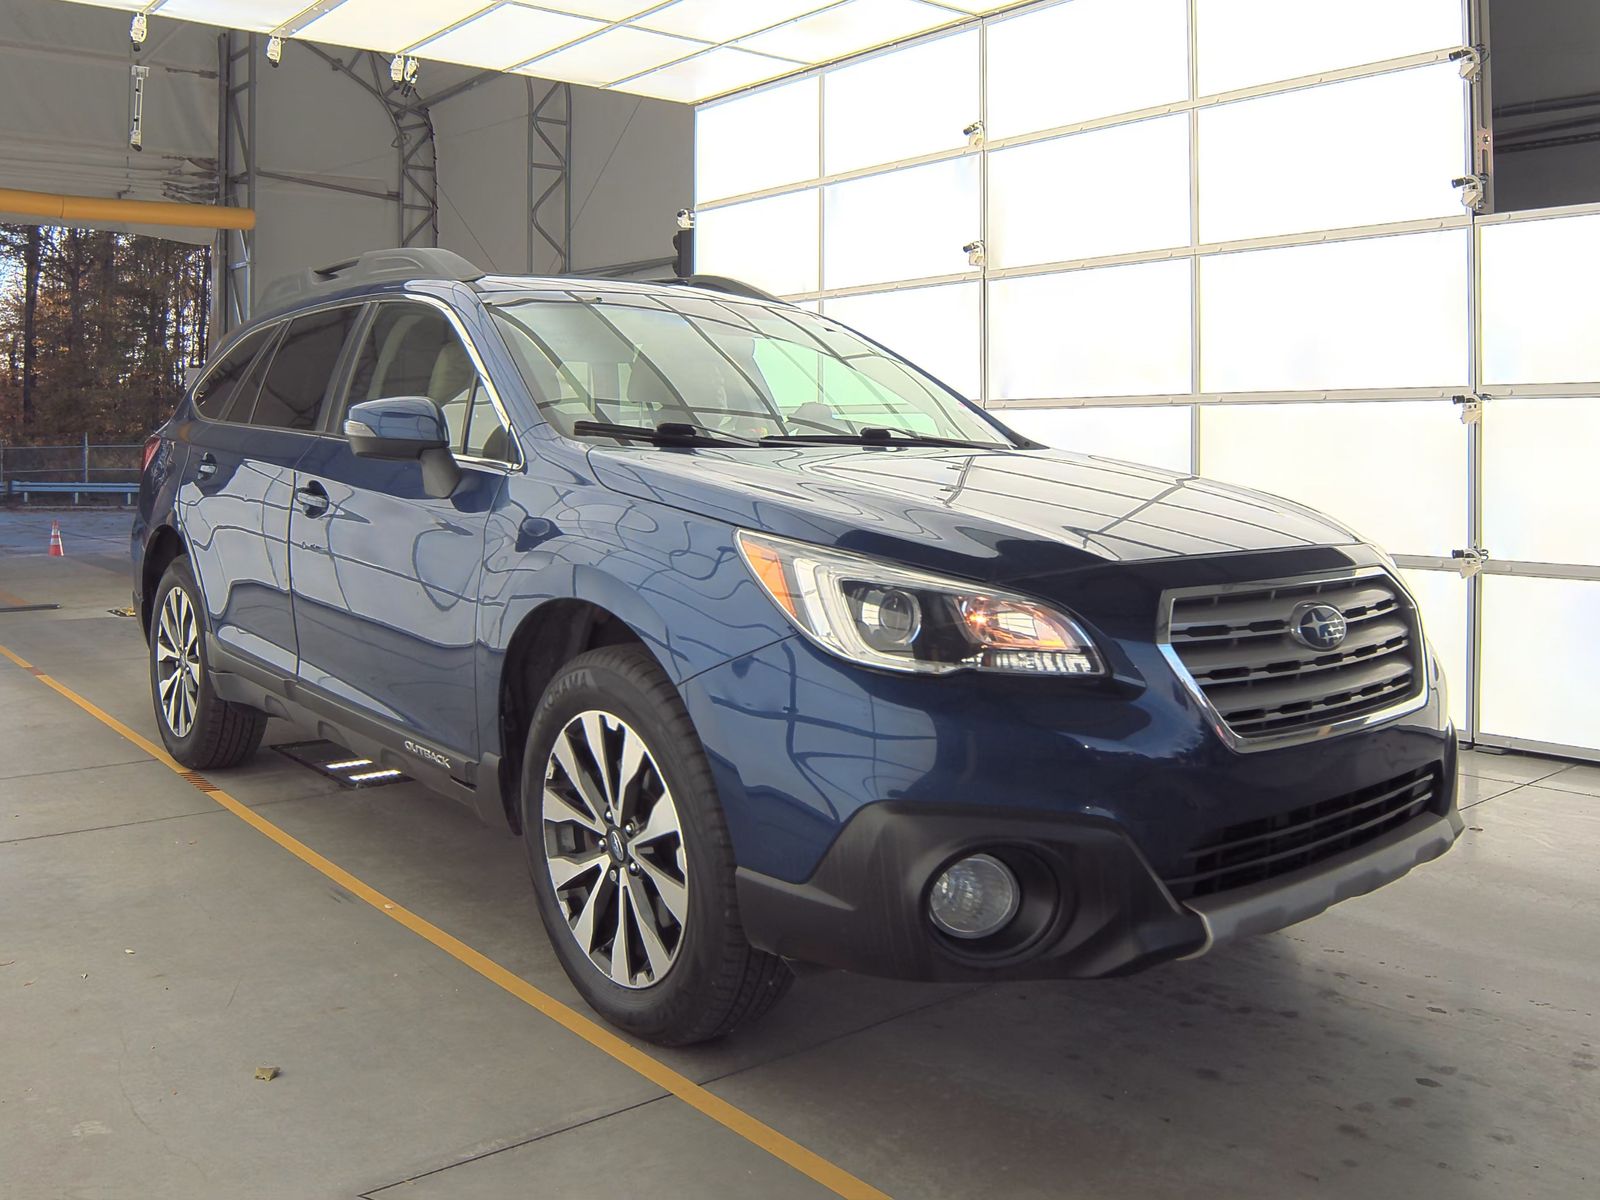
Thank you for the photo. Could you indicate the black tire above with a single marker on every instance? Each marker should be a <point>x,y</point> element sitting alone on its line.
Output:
<point>219,733</point>
<point>716,979</point>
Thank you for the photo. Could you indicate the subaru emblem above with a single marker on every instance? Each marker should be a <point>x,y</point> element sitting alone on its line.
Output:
<point>1319,627</point>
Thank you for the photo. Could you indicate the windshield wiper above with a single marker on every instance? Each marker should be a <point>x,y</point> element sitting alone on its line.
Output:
<point>874,436</point>
<point>683,433</point>
<point>668,433</point>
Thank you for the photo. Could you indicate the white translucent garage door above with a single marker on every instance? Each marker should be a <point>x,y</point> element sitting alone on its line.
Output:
<point>1234,247</point>
<point>1540,439</point>
<point>1397,472</point>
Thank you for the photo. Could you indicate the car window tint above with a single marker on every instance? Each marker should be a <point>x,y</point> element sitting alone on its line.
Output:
<point>222,382</point>
<point>807,384</point>
<point>302,367</point>
<point>451,382</point>
<point>238,406</point>
<point>413,350</point>
<point>753,370</point>
<point>487,436</point>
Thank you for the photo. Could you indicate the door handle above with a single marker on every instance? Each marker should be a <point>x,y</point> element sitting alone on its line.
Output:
<point>207,467</point>
<point>312,499</point>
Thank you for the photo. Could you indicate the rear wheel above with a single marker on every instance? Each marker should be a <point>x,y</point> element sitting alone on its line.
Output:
<point>200,728</point>
<point>631,862</point>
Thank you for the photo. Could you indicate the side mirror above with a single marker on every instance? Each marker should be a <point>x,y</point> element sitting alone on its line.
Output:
<point>406,427</point>
<point>399,427</point>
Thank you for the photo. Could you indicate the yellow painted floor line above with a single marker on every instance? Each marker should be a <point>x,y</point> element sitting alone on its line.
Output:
<point>757,1133</point>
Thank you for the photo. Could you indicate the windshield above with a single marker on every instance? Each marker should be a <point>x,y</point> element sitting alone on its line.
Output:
<point>748,370</point>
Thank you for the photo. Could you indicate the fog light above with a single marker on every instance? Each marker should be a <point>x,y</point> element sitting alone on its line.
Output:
<point>974,897</point>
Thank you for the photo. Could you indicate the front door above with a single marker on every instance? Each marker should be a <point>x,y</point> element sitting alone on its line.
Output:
<point>387,578</point>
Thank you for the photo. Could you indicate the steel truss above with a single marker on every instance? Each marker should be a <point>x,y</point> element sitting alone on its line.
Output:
<point>232,258</point>
<point>550,174</point>
<point>416,191</point>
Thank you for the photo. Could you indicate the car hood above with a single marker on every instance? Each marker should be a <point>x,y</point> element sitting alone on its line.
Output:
<point>981,514</point>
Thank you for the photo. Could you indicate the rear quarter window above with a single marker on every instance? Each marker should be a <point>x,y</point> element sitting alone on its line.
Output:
<point>217,389</point>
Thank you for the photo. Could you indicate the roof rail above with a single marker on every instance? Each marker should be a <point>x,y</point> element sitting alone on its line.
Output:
<point>722,283</point>
<point>405,262</point>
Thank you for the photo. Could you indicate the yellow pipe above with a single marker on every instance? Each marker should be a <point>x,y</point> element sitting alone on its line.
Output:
<point>91,209</point>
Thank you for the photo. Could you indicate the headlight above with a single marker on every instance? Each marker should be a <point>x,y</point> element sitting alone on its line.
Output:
<point>882,615</point>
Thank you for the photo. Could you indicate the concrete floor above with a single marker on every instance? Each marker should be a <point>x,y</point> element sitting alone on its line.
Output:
<point>1437,1039</point>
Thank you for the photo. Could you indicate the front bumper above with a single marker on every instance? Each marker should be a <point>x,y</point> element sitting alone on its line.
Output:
<point>846,790</point>
<point>1098,907</point>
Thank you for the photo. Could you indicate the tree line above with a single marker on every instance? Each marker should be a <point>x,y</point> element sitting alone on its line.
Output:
<point>97,330</point>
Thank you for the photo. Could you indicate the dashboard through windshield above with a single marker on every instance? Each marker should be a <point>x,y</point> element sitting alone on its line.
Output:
<point>750,371</point>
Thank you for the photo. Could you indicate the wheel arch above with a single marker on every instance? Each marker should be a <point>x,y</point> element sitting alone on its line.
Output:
<point>165,545</point>
<point>545,640</point>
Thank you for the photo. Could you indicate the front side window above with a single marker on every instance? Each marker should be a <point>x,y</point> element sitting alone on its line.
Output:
<point>302,368</point>
<point>414,350</point>
<point>226,388</point>
<point>750,370</point>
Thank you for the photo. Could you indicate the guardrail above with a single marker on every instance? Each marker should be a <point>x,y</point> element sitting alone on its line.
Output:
<point>79,470</point>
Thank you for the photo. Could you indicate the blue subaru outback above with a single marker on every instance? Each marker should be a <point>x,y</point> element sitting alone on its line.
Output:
<point>769,646</point>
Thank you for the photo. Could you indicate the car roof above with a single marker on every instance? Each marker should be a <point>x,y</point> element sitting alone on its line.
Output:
<point>370,272</point>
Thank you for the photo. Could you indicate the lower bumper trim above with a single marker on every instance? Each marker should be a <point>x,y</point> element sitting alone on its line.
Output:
<point>1289,899</point>
<point>865,907</point>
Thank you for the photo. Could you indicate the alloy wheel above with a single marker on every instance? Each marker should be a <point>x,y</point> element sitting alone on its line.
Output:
<point>178,662</point>
<point>614,849</point>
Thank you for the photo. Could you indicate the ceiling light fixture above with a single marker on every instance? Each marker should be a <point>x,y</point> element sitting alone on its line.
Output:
<point>275,50</point>
<point>403,73</point>
<point>136,126</point>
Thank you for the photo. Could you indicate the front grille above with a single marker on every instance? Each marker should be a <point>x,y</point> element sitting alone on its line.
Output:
<point>1264,683</point>
<point>1267,847</point>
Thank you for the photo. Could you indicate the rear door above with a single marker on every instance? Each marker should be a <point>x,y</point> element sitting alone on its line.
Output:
<point>234,509</point>
<point>387,578</point>
<point>241,485</point>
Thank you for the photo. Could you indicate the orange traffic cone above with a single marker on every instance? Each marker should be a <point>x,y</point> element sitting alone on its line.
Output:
<point>57,550</point>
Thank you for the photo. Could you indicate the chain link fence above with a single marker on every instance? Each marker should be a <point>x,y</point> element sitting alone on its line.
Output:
<point>84,472</point>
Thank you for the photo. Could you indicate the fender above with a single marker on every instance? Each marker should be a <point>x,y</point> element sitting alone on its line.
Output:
<point>588,583</point>
<point>555,535</point>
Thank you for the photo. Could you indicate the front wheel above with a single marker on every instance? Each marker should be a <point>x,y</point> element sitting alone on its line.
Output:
<point>632,866</point>
<point>199,727</point>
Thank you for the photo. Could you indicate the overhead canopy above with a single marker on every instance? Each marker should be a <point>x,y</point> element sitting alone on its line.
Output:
<point>64,114</point>
<point>683,50</point>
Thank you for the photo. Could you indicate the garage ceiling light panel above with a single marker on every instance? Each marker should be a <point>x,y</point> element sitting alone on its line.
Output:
<point>613,55</point>
<point>854,25</point>
<point>604,10</point>
<point>724,20</point>
<point>710,74</point>
<point>506,36</point>
<point>258,16</point>
<point>387,26</point>
<point>683,50</point>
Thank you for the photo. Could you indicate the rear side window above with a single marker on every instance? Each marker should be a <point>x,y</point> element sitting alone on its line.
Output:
<point>302,368</point>
<point>226,381</point>
<point>413,350</point>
